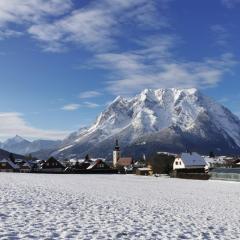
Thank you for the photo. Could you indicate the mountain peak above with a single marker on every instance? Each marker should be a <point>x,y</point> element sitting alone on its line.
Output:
<point>16,139</point>
<point>119,99</point>
<point>175,91</point>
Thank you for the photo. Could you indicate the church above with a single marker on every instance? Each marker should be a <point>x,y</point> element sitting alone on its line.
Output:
<point>118,161</point>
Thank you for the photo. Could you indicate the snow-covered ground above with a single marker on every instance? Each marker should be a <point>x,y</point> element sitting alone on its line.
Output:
<point>117,207</point>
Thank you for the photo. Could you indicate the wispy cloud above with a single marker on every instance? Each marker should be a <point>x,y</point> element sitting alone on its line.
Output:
<point>12,123</point>
<point>71,107</point>
<point>89,94</point>
<point>100,26</point>
<point>97,25</point>
<point>221,33</point>
<point>230,3</point>
<point>75,106</point>
<point>8,33</point>
<point>27,12</point>
<point>91,105</point>
<point>154,65</point>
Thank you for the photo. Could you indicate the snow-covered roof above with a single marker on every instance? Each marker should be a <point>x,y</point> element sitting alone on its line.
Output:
<point>27,164</point>
<point>192,159</point>
<point>13,165</point>
<point>74,160</point>
<point>94,163</point>
<point>144,169</point>
<point>167,153</point>
<point>39,161</point>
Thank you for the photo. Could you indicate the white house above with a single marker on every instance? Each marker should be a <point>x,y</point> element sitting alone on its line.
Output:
<point>189,161</point>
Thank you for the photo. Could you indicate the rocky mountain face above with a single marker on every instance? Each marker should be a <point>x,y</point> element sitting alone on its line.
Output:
<point>158,120</point>
<point>22,146</point>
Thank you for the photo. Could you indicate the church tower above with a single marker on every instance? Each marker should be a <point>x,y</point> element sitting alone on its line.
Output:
<point>116,154</point>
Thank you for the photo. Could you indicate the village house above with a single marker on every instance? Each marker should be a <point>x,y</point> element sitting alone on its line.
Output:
<point>192,161</point>
<point>98,164</point>
<point>7,165</point>
<point>82,164</point>
<point>52,165</point>
<point>190,166</point>
<point>26,167</point>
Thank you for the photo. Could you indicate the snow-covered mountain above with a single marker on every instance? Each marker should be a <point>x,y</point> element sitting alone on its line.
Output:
<point>158,120</point>
<point>15,144</point>
<point>20,145</point>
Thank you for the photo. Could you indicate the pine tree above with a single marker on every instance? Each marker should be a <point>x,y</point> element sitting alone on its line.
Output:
<point>77,164</point>
<point>87,158</point>
<point>211,154</point>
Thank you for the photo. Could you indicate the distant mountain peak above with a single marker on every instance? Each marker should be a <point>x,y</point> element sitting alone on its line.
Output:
<point>16,139</point>
<point>19,145</point>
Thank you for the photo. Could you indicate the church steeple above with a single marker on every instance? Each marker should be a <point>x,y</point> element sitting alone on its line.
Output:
<point>117,148</point>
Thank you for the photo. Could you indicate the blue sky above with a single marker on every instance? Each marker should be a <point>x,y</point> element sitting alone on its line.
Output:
<point>62,61</point>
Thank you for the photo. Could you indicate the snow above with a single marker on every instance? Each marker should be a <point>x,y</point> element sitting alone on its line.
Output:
<point>144,169</point>
<point>65,148</point>
<point>220,159</point>
<point>116,207</point>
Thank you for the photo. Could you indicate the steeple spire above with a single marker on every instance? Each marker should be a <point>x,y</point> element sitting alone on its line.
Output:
<point>117,148</point>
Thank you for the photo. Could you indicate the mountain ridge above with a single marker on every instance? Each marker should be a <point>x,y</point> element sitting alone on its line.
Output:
<point>20,145</point>
<point>183,116</point>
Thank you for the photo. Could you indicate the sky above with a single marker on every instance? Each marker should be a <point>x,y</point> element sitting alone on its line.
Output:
<point>63,61</point>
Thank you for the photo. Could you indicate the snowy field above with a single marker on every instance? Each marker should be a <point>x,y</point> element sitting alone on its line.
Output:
<point>117,207</point>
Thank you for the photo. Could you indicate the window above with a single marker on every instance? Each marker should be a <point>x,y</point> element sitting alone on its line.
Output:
<point>176,163</point>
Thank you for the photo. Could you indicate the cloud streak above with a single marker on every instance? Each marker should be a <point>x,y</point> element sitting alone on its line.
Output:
<point>221,33</point>
<point>154,65</point>
<point>27,12</point>
<point>76,106</point>
<point>12,123</point>
<point>230,3</point>
<point>98,25</point>
<point>89,94</point>
<point>71,107</point>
